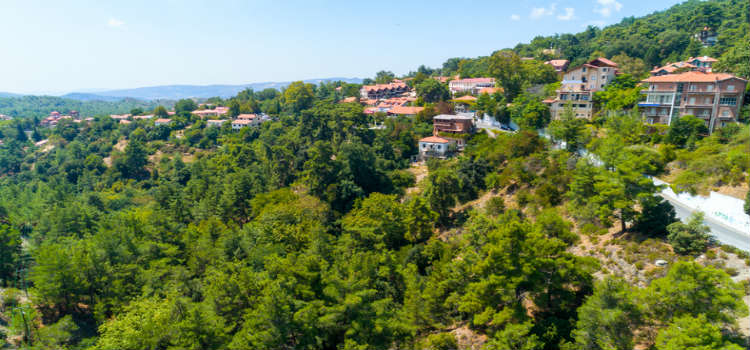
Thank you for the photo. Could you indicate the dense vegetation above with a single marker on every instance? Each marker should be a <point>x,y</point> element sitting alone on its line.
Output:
<point>41,106</point>
<point>644,42</point>
<point>313,231</point>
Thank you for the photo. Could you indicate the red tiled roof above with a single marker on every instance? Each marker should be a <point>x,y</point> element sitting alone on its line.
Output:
<point>693,77</point>
<point>383,87</point>
<point>242,121</point>
<point>434,139</point>
<point>557,63</point>
<point>465,98</point>
<point>491,90</point>
<point>549,100</point>
<point>163,120</point>
<point>349,99</point>
<point>247,116</point>
<point>605,61</point>
<point>474,80</point>
<point>405,110</point>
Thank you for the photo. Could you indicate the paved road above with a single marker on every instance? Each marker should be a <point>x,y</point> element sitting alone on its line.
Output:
<point>721,232</point>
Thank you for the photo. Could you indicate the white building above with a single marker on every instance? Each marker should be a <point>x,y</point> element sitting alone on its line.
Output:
<point>472,85</point>
<point>215,122</point>
<point>435,147</point>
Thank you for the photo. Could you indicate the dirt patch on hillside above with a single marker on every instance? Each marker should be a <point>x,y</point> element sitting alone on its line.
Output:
<point>120,145</point>
<point>420,172</point>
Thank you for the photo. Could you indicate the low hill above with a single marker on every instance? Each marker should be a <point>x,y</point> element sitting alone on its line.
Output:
<point>176,92</point>
<point>41,106</point>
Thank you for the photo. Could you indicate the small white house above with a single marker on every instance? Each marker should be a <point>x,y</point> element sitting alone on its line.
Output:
<point>215,122</point>
<point>162,121</point>
<point>435,147</point>
<point>238,124</point>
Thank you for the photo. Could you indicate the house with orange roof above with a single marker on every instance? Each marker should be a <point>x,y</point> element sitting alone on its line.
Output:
<point>436,147</point>
<point>714,97</point>
<point>379,91</point>
<point>491,90</point>
<point>579,85</point>
<point>406,111</point>
<point>560,65</point>
<point>238,124</point>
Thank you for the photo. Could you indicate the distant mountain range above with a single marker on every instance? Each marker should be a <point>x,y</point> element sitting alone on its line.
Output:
<point>176,92</point>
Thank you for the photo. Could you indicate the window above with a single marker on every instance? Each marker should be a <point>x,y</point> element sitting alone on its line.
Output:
<point>709,101</point>
<point>693,87</point>
<point>729,101</point>
<point>593,77</point>
<point>710,87</point>
<point>730,87</point>
<point>692,100</point>
<point>725,113</point>
<point>584,69</point>
<point>604,77</point>
<point>604,69</point>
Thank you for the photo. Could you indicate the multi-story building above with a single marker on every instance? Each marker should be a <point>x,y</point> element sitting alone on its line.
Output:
<point>471,85</point>
<point>714,97</point>
<point>379,91</point>
<point>453,127</point>
<point>578,87</point>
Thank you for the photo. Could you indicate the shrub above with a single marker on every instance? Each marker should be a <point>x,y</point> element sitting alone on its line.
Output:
<point>689,238</point>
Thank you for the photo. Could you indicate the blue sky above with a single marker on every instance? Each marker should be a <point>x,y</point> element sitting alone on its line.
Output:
<point>63,46</point>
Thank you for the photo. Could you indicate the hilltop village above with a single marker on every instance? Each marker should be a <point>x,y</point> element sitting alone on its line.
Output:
<point>584,191</point>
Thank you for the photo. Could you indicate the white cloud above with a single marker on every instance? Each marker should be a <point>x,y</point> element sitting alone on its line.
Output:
<point>515,17</point>
<point>606,7</point>
<point>539,12</point>
<point>115,23</point>
<point>569,14</point>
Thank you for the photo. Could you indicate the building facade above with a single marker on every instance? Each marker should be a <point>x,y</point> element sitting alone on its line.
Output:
<point>379,91</point>
<point>471,85</point>
<point>714,97</point>
<point>435,147</point>
<point>579,85</point>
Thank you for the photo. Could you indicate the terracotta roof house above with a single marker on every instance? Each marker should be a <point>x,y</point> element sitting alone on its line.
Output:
<point>714,97</point>
<point>465,98</point>
<point>379,91</point>
<point>579,84</point>
<point>241,123</point>
<point>407,111</point>
<point>559,65</point>
<point>349,100</point>
<point>435,147</point>
<point>491,90</point>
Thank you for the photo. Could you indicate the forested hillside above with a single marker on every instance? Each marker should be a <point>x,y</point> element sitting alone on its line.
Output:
<point>41,106</point>
<point>315,230</point>
<point>664,36</point>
